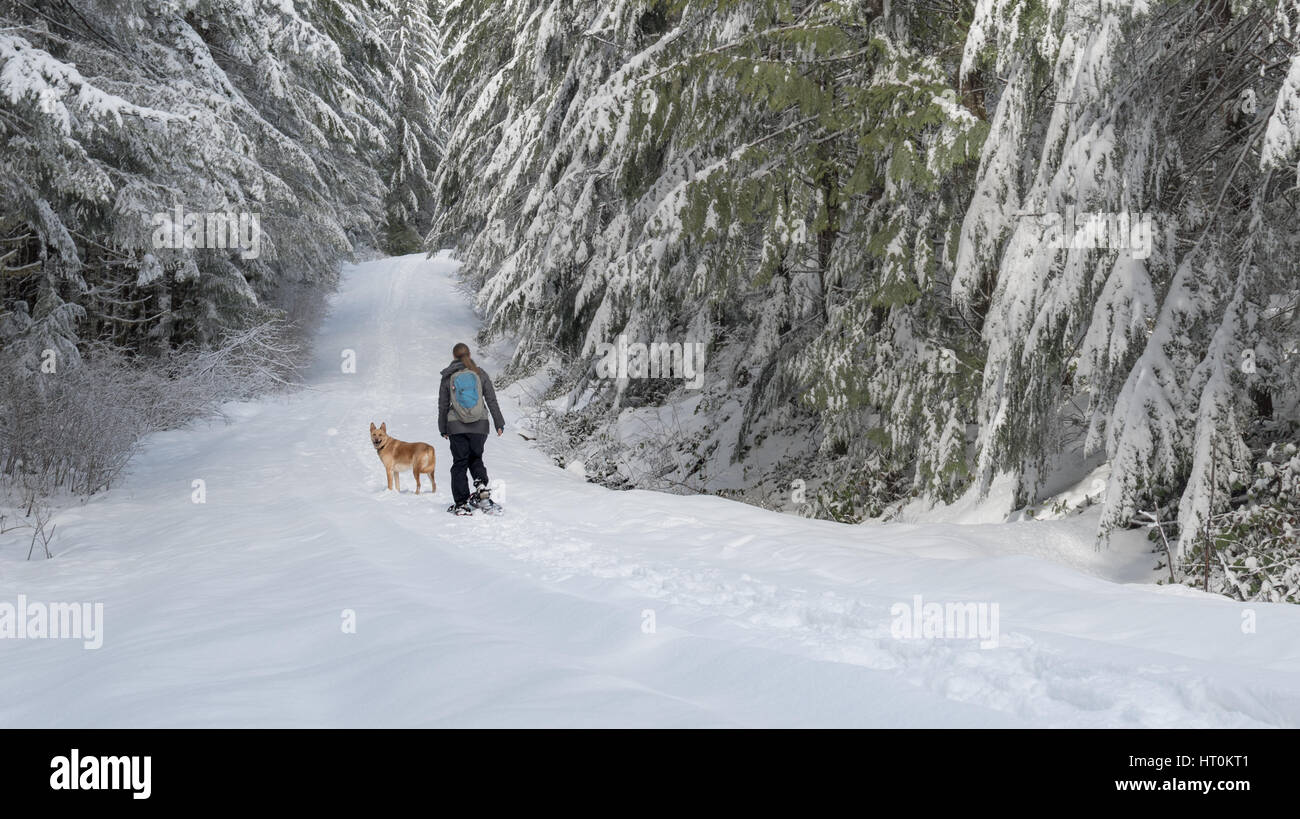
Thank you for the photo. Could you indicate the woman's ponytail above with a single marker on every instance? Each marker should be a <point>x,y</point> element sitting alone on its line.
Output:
<point>461,353</point>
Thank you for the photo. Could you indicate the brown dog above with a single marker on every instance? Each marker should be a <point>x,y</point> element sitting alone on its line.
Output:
<point>417,457</point>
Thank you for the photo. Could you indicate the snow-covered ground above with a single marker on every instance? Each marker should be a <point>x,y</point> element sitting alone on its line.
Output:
<point>231,612</point>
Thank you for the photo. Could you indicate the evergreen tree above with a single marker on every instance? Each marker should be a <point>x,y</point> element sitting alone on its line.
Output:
<point>410,33</point>
<point>774,180</point>
<point>970,240</point>
<point>121,111</point>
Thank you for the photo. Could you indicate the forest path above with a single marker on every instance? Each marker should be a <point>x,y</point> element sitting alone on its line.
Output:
<point>580,607</point>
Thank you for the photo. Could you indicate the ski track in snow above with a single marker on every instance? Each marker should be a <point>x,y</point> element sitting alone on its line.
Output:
<point>228,613</point>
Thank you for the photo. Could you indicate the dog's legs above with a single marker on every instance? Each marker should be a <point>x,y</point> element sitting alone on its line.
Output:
<point>416,470</point>
<point>389,473</point>
<point>397,481</point>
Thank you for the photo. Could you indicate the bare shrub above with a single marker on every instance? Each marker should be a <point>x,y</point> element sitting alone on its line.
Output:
<point>76,429</point>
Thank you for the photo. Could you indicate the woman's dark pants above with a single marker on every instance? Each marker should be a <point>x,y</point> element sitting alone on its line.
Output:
<point>466,453</point>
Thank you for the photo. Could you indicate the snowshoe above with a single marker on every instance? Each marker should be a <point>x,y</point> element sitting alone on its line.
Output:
<point>482,501</point>
<point>460,509</point>
<point>490,507</point>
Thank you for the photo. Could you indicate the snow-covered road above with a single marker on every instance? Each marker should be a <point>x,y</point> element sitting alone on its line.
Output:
<point>230,612</point>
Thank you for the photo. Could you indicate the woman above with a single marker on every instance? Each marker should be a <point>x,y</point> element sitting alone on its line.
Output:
<point>465,397</point>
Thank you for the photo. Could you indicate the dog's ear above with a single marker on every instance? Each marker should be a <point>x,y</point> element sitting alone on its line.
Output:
<point>383,427</point>
<point>372,426</point>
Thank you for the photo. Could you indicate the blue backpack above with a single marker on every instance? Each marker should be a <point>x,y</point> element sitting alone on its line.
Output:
<point>466,398</point>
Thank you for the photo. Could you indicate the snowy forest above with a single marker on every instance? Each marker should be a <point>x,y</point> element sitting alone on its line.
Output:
<point>934,250</point>
<point>126,125</point>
